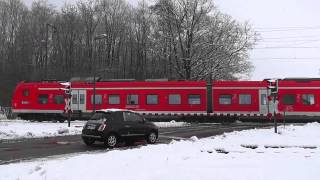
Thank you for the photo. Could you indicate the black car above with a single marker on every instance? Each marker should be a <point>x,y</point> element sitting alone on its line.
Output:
<point>112,126</point>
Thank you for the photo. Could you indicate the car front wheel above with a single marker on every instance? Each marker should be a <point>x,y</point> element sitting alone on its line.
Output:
<point>111,140</point>
<point>88,141</point>
<point>152,137</point>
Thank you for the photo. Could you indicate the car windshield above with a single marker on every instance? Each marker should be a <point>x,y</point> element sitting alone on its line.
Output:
<point>100,116</point>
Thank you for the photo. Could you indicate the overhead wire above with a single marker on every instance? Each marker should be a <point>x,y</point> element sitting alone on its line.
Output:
<point>294,37</point>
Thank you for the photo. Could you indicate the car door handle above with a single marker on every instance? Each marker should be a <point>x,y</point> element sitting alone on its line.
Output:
<point>127,126</point>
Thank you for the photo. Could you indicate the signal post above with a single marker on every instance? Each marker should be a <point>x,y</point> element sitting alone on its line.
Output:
<point>67,100</point>
<point>273,87</point>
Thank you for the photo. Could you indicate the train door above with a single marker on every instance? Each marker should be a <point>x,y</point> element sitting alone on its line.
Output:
<point>263,101</point>
<point>78,102</point>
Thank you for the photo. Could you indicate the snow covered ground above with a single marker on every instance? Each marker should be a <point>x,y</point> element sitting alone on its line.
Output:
<point>245,155</point>
<point>17,129</point>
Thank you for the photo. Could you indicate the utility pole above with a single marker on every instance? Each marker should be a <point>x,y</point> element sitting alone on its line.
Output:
<point>100,36</point>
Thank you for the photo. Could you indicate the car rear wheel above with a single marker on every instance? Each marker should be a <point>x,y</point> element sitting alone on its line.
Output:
<point>88,141</point>
<point>152,137</point>
<point>111,141</point>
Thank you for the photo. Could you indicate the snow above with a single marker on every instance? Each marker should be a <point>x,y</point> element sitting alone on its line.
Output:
<point>223,157</point>
<point>171,123</point>
<point>20,129</point>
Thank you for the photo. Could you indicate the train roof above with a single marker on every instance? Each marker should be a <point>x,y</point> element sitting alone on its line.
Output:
<point>290,82</point>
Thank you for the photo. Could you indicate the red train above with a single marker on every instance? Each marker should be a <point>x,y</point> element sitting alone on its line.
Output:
<point>298,98</point>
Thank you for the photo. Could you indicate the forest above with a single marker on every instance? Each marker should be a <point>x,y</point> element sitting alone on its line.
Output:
<point>172,39</point>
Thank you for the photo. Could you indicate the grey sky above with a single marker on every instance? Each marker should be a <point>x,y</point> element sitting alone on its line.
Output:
<point>298,49</point>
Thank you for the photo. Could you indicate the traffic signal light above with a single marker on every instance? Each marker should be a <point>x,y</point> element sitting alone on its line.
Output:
<point>273,86</point>
<point>67,90</point>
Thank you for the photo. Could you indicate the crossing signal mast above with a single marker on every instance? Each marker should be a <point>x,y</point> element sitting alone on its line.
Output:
<point>67,100</point>
<point>273,86</point>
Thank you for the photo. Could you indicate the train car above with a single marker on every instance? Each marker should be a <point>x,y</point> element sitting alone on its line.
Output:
<point>297,98</point>
<point>36,100</point>
<point>240,99</point>
<point>39,100</point>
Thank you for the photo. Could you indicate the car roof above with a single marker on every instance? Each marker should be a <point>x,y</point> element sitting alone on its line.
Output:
<point>114,110</point>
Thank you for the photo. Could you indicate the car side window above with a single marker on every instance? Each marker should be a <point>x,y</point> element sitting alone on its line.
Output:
<point>102,116</point>
<point>130,116</point>
<point>118,116</point>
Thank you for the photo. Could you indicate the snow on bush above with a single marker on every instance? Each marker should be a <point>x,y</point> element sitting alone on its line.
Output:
<point>172,123</point>
<point>18,129</point>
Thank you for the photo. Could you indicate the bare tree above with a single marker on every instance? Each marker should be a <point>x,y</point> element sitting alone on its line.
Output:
<point>176,39</point>
<point>202,41</point>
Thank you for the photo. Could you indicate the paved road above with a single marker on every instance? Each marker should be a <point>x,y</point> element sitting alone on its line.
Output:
<point>39,148</point>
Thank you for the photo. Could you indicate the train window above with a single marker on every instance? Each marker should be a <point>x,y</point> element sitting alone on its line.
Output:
<point>308,99</point>
<point>98,99</point>
<point>43,99</point>
<point>289,99</point>
<point>81,98</point>
<point>132,99</point>
<point>244,99</point>
<point>25,92</point>
<point>113,99</point>
<point>74,99</point>
<point>194,99</point>
<point>174,99</point>
<point>152,99</point>
<point>225,99</point>
<point>263,99</point>
<point>59,99</point>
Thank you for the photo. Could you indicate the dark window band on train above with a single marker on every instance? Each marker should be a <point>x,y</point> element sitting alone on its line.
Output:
<point>132,99</point>
<point>113,99</point>
<point>152,99</point>
<point>225,99</point>
<point>174,99</point>
<point>194,99</point>
<point>264,99</point>
<point>25,92</point>
<point>308,99</point>
<point>98,99</point>
<point>289,99</point>
<point>244,99</point>
<point>43,99</point>
<point>59,99</point>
